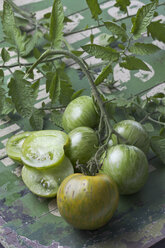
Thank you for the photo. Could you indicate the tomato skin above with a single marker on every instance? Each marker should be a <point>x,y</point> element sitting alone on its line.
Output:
<point>82,146</point>
<point>80,112</point>
<point>128,166</point>
<point>87,202</point>
<point>14,145</point>
<point>134,133</point>
<point>45,183</point>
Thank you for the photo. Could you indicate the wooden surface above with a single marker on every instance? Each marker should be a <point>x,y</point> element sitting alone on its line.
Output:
<point>30,221</point>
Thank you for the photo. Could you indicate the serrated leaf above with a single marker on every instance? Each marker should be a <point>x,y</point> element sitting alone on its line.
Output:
<point>157,30</point>
<point>35,87</point>
<point>36,120</point>
<point>104,53</point>
<point>30,43</point>
<point>116,29</point>
<point>143,48</point>
<point>12,33</point>
<point>21,93</point>
<point>148,127</point>
<point>2,98</point>
<point>1,77</point>
<point>49,77</point>
<point>5,55</point>
<point>56,23</point>
<point>143,19</point>
<point>122,4</point>
<point>133,63</point>
<point>158,146</point>
<point>94,8</point>
<point>36,53</point>
<point>56,118</point>
<point>77,53</point>
<point>104,74</point>
<point>77,94</point>
<point>8,106</point>
<point>66,92</point>
<point>54,90</point>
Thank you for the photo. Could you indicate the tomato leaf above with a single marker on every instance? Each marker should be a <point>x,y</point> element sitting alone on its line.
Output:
<point>36,120</point>
<point>143,19</point>
<point>157,30</point>
<point>104,53</point>
<point>56,23</point>
<point>77,94</point>
<point>56,118</point>
<point>30,43</point>
<point>133,63</point>
<point>22,94</point>
<point>54,90</point>
<point>143,48</point>
<point>116,29</point>
<point>104,74</point>
<point>12,33</point>
<point>94,8</point>
<point>66,92</point>
<point>2,98</point>
<point>122,4</point>
<point>158,146</point>
<point>5,55</point>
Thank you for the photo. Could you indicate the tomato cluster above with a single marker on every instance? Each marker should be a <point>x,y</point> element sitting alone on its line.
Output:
<point>50,160</point>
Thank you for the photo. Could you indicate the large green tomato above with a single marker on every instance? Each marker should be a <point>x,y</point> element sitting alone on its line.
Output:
<point>87,202</point>
<point>128,166</point>
<point>134,133</point>
<point>82,146</point>
<point>44,149</point>
<point>80,112</point>
<point>45,183</point>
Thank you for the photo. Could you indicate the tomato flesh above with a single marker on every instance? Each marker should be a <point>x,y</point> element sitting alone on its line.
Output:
<point>44,149</point>
<point>87,202</point>
<point>45,183</point>
<point>14,145</point>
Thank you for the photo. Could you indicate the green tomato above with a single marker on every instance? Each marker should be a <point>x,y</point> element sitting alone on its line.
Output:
<point>82,145</point>
<point>87,202</point>
<point>44,149</point>
<point>80,112</point>
<point>128,166</point>
<point>45,183</point>
<point>134,133</point>
<point>14,145</point>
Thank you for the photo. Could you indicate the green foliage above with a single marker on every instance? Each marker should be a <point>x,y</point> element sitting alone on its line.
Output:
<point>36,119</point>
<point>104,74</point>
<point>56,24</point>
<point>12,33</point>
<point>94,8</point>
<point>133,63</point>
<point>104,53</point>
<point>143,48</point>
<point>157,30</point>
<point>158,146</point>
<point>56,118</point>
<point>22,94</point>
<point>5,55</point>
<point>116,30</point>
<point>122,4</point>
<point>143,19</point>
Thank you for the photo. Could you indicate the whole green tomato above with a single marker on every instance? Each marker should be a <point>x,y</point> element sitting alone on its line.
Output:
<point>83,143</point>
<point>134,133</point>
<point>80,112</point>
<point>128,166</point>
<point>87,202</point>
